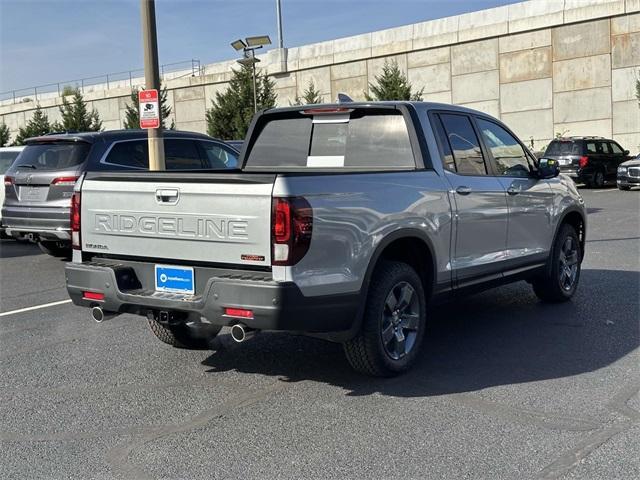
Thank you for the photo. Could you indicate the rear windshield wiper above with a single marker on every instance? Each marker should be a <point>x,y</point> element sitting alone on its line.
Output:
<point>27,165</point>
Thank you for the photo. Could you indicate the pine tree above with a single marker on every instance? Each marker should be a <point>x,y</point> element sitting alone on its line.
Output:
<point>68,90</point>
<point>5,134</point>
<point>392,84</point>
<point>132,111</point>
<point>38,125</point>
<point>76,117</point>
<point>310,96</point>
<point>231,112</point>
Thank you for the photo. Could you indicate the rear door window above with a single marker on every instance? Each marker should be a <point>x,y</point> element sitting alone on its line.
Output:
<point>464,144</point>
<point>443,141</point>
<point>179,154</point>
<point>591,147</point>
<point>132,154</point>
<point>218,157</point>
<point>182,154</point>
<point>356,140</point>
<point>53,156</point>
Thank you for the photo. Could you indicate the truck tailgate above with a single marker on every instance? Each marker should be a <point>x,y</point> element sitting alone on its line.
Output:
<point>195,217</point>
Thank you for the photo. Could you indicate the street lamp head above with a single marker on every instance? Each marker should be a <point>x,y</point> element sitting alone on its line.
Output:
<point>239,45</point>
<point>258,41</point>
<point>248,61</point>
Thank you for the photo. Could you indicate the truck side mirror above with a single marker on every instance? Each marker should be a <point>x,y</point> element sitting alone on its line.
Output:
<point>548,168</point>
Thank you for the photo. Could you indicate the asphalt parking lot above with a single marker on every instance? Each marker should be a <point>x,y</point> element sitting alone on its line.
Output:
<point>506,388</point>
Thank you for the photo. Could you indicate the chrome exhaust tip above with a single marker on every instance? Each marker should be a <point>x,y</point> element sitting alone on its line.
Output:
<point>240,332</point>
<point>100,315</point>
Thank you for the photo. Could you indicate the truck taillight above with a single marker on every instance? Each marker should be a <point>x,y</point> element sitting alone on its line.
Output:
<point>8,181</point>
<point>583,162</point>
<point>75,221</point>
<point>64,181</point>
<point>291,229</point>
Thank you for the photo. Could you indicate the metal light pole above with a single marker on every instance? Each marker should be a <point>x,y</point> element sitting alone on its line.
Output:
<point>152,79</point>
<point>279,14</point>
<point>255,89</point>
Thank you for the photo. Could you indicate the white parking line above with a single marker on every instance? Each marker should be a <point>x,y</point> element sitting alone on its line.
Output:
<point>36,307</point>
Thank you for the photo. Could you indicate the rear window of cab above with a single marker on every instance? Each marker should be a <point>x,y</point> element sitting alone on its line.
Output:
<point>354,139</point>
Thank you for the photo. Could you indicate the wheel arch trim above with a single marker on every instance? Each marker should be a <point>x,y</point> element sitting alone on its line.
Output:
<point>403,233</point>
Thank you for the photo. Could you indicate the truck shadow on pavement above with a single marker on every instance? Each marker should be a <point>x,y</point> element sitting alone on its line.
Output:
<point>13,249</point>
<point>499,337</point>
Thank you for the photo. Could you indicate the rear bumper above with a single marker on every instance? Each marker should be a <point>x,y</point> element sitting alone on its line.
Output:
<point>43,233</point>
<point>578,175</point>
<point>46,222</point>
<point>275,306</point>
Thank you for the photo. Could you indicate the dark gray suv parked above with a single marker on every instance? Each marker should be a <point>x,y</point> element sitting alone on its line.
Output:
<point>38,187</point>
<point>588,160</point>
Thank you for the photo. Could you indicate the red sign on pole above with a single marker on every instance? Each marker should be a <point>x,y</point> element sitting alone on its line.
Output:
<point>149,109</point>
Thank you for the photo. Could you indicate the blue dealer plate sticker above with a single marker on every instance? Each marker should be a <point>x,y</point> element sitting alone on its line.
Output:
<point>174,279</point>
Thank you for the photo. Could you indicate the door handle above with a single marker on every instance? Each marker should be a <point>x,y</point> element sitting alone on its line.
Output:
<point>513,190</point>
<point>167,195</point>
<point>462,190</point>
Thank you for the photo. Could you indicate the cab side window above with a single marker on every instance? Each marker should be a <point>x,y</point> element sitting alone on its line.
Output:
<point>510,157</point>
<point>461,141</point>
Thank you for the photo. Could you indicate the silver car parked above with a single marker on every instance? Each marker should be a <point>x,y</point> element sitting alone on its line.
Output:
<point>7,156</point>
<point>39,185</point>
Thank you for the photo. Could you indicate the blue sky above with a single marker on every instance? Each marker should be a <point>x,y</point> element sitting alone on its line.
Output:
<point>58,40</point>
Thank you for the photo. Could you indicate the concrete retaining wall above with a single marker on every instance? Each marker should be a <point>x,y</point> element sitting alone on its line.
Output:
<point>544,67</point>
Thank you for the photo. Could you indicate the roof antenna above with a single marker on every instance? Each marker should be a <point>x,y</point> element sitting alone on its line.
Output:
<point>344,98</point>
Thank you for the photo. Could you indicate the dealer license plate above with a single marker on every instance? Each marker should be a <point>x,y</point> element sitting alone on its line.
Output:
<point>175,279</point>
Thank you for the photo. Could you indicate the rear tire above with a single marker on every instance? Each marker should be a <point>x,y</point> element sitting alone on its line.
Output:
<point>598,179</point>
<point>184,336</point>
<point>55,249</point>
<point>561,277</point>
<point>393,324</point>
<point>625,188</point>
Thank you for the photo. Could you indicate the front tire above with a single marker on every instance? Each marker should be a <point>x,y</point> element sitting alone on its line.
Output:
<point>624,187</point>
<point>561,277</point>
<point>393,324</point>
<point>184,336</point>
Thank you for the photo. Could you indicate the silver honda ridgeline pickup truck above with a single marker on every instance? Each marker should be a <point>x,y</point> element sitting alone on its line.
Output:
<point>343,222</point>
